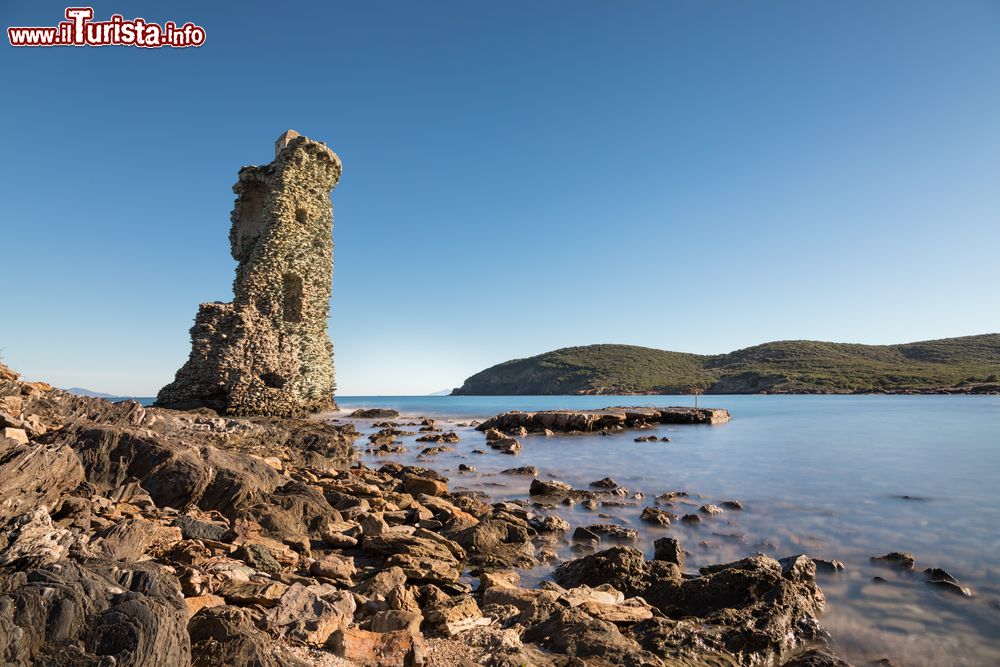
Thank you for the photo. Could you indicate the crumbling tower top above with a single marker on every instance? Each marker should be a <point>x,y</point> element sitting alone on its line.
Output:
<point>284,140</point>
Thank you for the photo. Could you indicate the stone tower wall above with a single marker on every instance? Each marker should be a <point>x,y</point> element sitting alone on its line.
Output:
<point>268,352</point>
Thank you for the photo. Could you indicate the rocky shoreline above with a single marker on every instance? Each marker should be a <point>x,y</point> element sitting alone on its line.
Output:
<point>147,536</point>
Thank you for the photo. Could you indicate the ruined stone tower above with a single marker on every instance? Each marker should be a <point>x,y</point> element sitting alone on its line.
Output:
<point>268,352</point>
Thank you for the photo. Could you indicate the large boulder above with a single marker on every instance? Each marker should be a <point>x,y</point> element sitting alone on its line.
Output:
<point>35,474</point>
<point>224,635</point>
<point>757,608</point>
<point>311,614</point>
<point>423,556</point>
<point>572,632</point>
<point>621,567</point>
<point>93,613</point>
<point>499,542</point>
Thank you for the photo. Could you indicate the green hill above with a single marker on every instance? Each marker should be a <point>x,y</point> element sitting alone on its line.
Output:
<point>963,365</point>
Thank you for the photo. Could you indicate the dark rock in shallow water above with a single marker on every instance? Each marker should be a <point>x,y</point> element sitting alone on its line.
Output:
<point>828,565</point>
<point>552,487</point>
<point>669,549</point>
<point>94,613</point>
<point>901,559</point>
<point>751,611</point>
<point>582,534</point>
<point>450,437</point>
<point>656,515</point>
<point>762,608</point>
<point>621,567</point>
<point>950,587</point>
<point>937,574</point>
<point>523,470</point>
<point>816,658</point>
<point>614,531</point>
<point>549,524</point>
<point>606,483</point>
<point>374,413</point>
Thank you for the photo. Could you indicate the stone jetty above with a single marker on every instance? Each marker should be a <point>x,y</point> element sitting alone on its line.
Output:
<point>615,418</point>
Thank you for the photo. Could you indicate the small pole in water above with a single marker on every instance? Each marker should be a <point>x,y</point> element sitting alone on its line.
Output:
<point>697,391</point>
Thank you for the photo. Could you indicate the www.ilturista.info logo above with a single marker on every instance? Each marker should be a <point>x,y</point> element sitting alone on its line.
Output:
<point>80,30</point>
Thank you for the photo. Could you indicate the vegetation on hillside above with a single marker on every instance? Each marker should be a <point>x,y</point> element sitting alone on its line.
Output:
<point>781,367</point>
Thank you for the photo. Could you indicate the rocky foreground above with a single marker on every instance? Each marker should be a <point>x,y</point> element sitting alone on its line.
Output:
<point>145,536</point>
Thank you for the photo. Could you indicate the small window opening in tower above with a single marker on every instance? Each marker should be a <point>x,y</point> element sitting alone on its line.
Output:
<point>300,216</point>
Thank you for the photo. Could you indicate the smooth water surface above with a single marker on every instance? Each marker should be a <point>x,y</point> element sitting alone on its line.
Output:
<point>836,477</point>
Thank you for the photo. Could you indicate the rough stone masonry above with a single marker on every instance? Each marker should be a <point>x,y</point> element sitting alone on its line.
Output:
<point>268,352</point>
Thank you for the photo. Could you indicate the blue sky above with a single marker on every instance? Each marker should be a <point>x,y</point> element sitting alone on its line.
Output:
<point>518,177</point>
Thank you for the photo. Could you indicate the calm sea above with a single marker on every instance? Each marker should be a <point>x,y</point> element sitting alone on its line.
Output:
<point>836,477</point>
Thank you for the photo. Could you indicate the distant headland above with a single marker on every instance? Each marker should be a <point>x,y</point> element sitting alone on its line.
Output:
<point>964,365</point>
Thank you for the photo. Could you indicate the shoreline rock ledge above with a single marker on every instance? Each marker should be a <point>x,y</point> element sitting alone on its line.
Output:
<point>268,352</point>
<point>614,418</point>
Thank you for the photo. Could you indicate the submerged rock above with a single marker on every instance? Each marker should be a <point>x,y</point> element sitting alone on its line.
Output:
<point>900,559</point>
<point>945,581</point>
<point>657,516</point>
<point>828,565</point>
<point>375,413</point>
<point>523,470</point>
<point>551,487</point>
<point>816,658</point>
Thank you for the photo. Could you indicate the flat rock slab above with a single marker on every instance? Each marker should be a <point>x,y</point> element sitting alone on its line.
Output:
<point>568,421</point>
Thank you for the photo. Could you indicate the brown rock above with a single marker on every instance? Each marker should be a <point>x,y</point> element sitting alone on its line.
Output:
<point>455,615</point>
<point>311,613</point>
<point>199,602</point>
<point>551,487</point>
<point>35,474</point>
<point>227,635</point>
<point>16,434</point>
<point>379,649</point>
<point>391,620</point>
<point>669,549</point>
<point>336,567</point>
<point>432,487</point>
